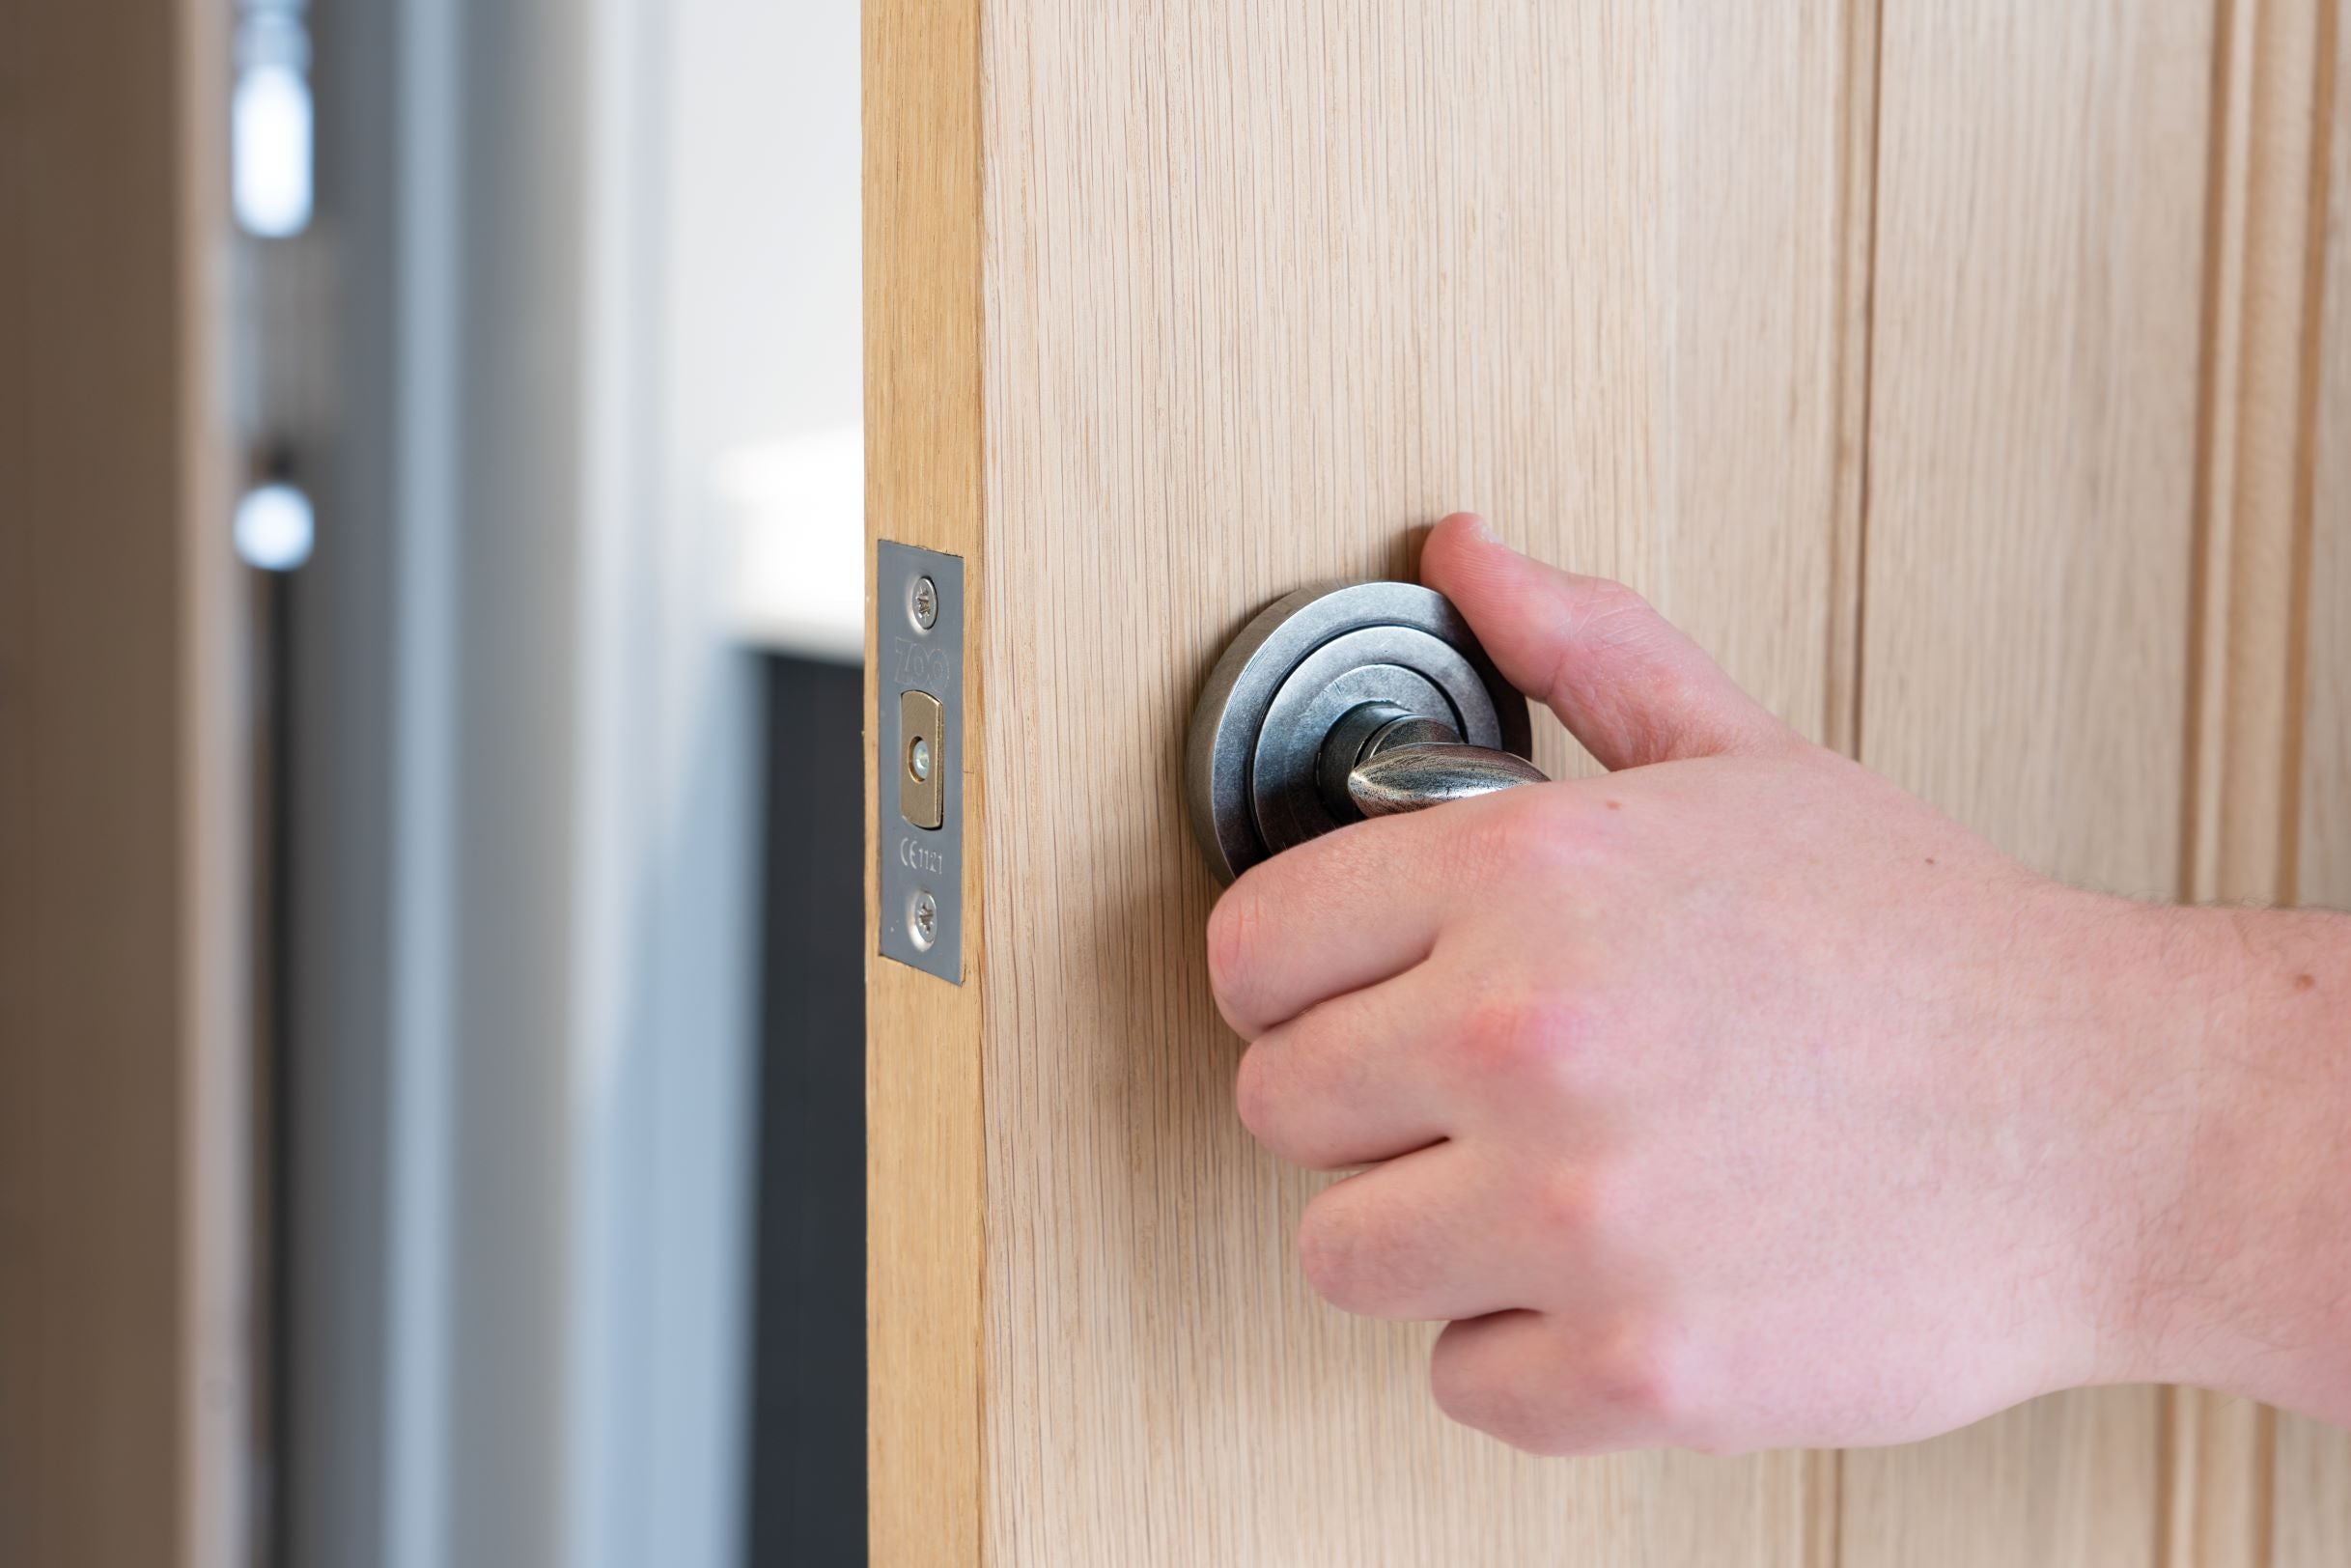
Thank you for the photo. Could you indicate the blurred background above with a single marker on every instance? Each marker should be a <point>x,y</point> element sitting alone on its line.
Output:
<point>531,332</point>
<point>554,323</point>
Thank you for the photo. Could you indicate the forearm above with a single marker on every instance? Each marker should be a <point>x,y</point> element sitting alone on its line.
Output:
<point>2248,1283</point>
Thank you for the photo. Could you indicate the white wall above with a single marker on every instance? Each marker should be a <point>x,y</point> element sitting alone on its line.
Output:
<point>764,284</point>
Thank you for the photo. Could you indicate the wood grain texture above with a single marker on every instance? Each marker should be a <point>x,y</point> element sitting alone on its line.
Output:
<point>2311,1466</point>
<point>1941,372</point>
<point>1270,285</point>
<point>2253,502</point>
<point>124,1340</point>
<point>2031,482</point>
<point>2312,1495</point>
<point>2323,858</point>
<point>927,1204</point>
<point>2215,1496</point>
<point>1856,264</point>
<point>2250,621</point>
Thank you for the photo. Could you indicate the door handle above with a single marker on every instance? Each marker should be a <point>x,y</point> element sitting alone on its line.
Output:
<point>1413,778</point>
<point>1338,703</point>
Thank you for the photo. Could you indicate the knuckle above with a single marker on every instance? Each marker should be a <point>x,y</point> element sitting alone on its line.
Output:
<point>1640,1379</point>
<point>1769,735</point>
<point>1533,1043</point>
<point>1461,1386</point>
<point>1616,615</point>
<point>1608,597</point>
<point>1347,1256</point>
<point>1526,829</point>
<point>1326,1254</point>
<point>1233,928</point>
<point>1477,1393</point>
<point>1633,1390</point>
<point>1579,1205</point>
<point>1714,1444</point>
<point>1330,1249</point>
<point>1554,837</point>
<point>1255,1095</point>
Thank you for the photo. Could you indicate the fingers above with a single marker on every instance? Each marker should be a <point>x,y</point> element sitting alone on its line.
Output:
<point>1352,1080</point>
<point>1553,1385</point>
<point>1334,914</point>
<point>1424,1237</point>
<point>1626,681</point>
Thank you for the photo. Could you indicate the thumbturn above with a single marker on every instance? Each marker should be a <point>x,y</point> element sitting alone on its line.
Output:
<point>1340,703</point>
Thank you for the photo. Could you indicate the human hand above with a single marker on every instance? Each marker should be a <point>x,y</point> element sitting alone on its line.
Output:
<point>1734,1099</point>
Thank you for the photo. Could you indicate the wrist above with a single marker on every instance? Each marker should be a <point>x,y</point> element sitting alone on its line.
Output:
<point>2235,1135</point>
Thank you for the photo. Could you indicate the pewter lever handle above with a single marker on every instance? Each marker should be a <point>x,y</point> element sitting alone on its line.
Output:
<point>1380,758</point>
<point>1410,778</point>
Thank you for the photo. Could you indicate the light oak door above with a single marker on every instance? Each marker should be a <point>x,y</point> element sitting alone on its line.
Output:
<point>1973,381</point>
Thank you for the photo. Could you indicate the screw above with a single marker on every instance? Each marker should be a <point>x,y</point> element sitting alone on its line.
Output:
<point>923,602</point>
<point>918,759</point>
<point>926,919</point>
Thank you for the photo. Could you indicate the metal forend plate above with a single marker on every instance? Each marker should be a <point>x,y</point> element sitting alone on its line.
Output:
<point>918,643</point>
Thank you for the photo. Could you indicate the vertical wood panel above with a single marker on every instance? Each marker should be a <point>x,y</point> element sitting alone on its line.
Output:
<point>1269,285</point>
<point>1858,233</point>
<point>2265,209</point>
<point>2216,1496</point>
<point>2312,1481</point>
<point>2312,1495</point>
<point>2252,498</point>
<point>2323,863</point>
<point>2031,480</point>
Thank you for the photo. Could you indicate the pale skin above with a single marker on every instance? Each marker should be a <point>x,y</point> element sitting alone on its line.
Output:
<point>1738,1098</point>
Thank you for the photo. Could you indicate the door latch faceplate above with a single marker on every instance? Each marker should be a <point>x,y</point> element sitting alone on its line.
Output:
<point>918,721</point>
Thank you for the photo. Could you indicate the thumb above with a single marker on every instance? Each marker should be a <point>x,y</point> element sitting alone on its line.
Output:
<point>1624,681</point>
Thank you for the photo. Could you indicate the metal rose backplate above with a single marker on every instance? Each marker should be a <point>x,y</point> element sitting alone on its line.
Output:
<point>1297,670</point>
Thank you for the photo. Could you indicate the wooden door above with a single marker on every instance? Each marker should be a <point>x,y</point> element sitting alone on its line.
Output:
<point>127,1368</point>
<point>1971,379</point>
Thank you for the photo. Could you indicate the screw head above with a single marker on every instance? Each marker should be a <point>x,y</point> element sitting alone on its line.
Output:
<point>924,921</point>
<point>918,758</point>
<point>922,604</point>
